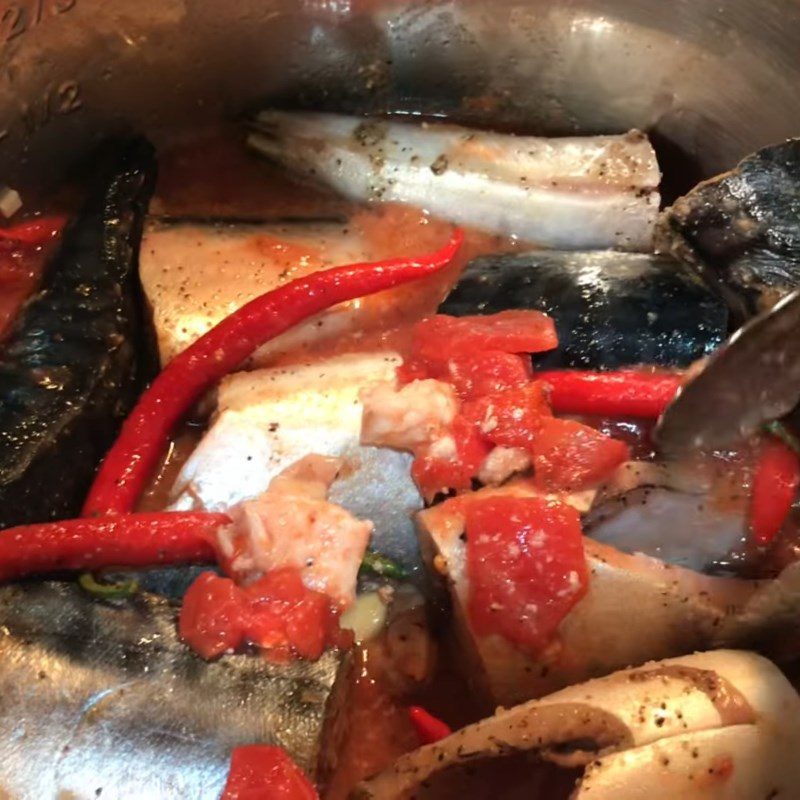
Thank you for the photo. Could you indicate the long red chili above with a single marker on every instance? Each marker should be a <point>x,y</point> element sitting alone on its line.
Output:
<point>626,393</point>
<point>144,434</point>
<point>775,486</point>
<point>126,540</point>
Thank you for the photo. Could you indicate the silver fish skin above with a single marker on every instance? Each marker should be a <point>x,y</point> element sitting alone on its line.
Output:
<point>103,700</point>
<point>570,193</point>
<point>268,419</point>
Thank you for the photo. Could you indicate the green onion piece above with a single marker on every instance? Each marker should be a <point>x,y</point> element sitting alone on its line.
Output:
<point>377,564</point>
<point>108,591</point>
<point>780,431</point>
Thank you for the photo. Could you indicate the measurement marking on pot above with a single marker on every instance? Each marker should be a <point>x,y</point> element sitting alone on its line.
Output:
<point>18,18</point>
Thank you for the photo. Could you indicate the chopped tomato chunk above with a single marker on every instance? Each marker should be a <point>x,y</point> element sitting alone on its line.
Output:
<point>526,567</point>
<point>437,339</point>
<point>513,417</point>
<point>263,772</point>
<point>213,616</point>
<point>277,613</point>
<point>437,471</point>
<point>474,375</point>
<point>570,456</point>
<point>285,612</point>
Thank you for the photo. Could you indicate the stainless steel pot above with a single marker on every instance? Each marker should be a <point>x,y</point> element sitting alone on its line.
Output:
<point>711,80</point>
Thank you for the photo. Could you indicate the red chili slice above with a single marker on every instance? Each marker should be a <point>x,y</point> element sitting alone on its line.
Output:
<point>526,567</point>
<point>570,456</point>
<point>775,486</point>
<point>627,393</point>
<point>264,772</point>
<point>429,729</point>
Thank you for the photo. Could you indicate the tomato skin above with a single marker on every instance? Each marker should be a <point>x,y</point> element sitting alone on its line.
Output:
<point>526,567</point>
<point>434,474</point>
<point>513,417</point>
<point>213,616</point>
<point>264,772</point>
<point>569,456</point>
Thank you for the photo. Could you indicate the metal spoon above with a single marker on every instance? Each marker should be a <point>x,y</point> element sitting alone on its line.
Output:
<point>751,379</point>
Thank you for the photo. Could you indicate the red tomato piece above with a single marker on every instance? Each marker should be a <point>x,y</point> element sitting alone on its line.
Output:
<point>569,456</point>
<point>287,616</point>
<point>526,567</point>
<point>434,474</point>
<point>263,772</point>
<point>277,613</point>
<point>437,339</point>
<point>513,417</point>
<point>775,484</point>
<point>474,375</point>
<point>214,615</point>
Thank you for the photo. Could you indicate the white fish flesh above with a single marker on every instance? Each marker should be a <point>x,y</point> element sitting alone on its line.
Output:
<point>268,419</point>
<point>721,724</point>
<point>575,192</point>
<point>678,611</point>
<point>196,273</point>
<point>671,514</point>
<point>294,525</point>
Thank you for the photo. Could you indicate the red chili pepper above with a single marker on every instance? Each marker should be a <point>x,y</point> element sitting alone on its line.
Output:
<point>428,728</point>
<point>264,772</point>
<point>127,540</point>
<point>627,393</point>
<point>144,434</point>
<point>774,488</point>
<point>34,231</point>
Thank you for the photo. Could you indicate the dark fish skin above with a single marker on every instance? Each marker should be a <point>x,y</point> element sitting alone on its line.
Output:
<point>741,229</point>
<point>611,309</point>
<point>105,701</point>
<point>70,371</point>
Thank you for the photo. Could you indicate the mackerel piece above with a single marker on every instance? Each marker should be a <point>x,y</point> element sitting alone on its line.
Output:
<point>610,309</point>
<point>105,701</point>
<point>268,419</point>
<point>69,373</point>
<point>572,192</point>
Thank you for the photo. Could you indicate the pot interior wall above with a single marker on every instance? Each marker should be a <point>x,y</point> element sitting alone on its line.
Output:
<point>710,81</point>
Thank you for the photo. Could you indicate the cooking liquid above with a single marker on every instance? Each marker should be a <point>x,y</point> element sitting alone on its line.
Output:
<point>212,175</point>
